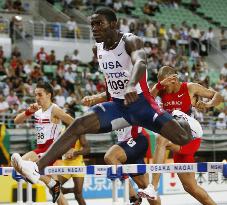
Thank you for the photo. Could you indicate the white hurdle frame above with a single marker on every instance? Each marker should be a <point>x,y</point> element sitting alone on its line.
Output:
<point>126,169</point>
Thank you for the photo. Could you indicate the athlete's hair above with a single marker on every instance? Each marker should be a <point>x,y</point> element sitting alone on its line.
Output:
<point>107,12</point>
<point>166,71</point>
<point>47,87</point>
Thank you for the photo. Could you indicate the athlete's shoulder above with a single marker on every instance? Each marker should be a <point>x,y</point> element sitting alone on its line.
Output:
<point>132,42</point>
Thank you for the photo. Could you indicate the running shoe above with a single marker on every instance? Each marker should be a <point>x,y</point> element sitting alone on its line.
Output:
<point>28,169</point>
<point>148,193</point>
<point>56,191</point>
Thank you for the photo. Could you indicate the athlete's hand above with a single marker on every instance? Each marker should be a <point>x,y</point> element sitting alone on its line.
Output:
<point>169,80</point>
<point>69,154</point>
<point>202,105</point>
<point>34,107</point>
<point>130,95</point>
<point>89,100</point>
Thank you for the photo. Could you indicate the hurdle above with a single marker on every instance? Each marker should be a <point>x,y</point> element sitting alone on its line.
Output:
<point>118,171</point>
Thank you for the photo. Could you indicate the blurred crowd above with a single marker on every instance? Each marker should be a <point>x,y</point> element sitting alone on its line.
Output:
<point>183,47</point>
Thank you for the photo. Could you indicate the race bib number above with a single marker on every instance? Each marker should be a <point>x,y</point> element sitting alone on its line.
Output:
<point>117,84</point>
<point>40,135</point>
<point>131,142</point>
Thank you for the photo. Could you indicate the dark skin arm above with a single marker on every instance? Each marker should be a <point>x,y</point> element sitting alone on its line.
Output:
<point>135,48</point>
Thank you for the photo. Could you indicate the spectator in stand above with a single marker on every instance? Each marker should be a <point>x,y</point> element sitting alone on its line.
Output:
<point>3,73</point>
<point>163,37</point>
<point>124,26</point>
<point>151,29</point>
<point>55,85</point>
<point>173,35</point>
<point>13,62</point>
<point>222,39</point>
<point>141,29</point>
<point>93,65</point>
<point>52,58</point>
<point>195,35</point>
<point>224,70</point>
<point>72,28</point>
<point>222,120</point>
<point>147,10</point>
<point>4,107</point>
<point>29,87</point>
<point>90,87</point>
<point>70,77</point>
<point>153,4</point>
<point>12,98</point>
<point>28,66</point>
<point>203,44</point>
<point>210,37</point>
<point>118,6</point>
<point>60,98</point>
<point>36,74</point>
<point>100,86</point>
<point>60,70</point>
<point>194,5</point>
<point>2,56</point>
<point>224,92</point>
<point>16,52</point>
<point>18,86</point>
<point>128,6</point>
<point>76,57</point>
<point>109,3</point>
<point>42,56</point>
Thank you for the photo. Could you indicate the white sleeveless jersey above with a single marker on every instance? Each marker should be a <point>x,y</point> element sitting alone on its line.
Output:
<point>196,128</point>
<point>117,67</point>
<point>127,133</point>
<point>45,129</point>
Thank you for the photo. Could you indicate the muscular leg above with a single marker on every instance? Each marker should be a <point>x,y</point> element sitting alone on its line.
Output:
<point>177,134</point>
<point>89,123</point>
<point>190,185</point>
<point>116,155</point>
<point>78,188</point>
<point>159,157</point>
<point>62,200</point>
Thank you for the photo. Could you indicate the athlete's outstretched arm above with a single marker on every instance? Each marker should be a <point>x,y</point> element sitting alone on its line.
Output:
<point>135,48</point>
<point>200,91</point>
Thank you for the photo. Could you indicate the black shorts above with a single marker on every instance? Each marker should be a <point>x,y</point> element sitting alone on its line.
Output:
<point>135,149</point>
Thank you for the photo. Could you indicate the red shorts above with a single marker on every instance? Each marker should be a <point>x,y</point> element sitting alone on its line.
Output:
<point>42,148</point>
<point>187,152</point>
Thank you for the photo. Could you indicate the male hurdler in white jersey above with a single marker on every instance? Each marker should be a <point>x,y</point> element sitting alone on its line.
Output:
<point>46,130</point>
<point>48,125</point>
<point>131,102</point>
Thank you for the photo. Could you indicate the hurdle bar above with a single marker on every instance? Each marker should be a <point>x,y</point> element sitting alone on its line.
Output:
<point>124,169</point>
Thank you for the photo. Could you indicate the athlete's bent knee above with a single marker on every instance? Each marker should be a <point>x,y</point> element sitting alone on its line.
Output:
<point>108,159</point>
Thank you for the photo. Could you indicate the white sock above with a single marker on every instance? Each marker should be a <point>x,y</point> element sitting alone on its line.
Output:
<point>51,183</point>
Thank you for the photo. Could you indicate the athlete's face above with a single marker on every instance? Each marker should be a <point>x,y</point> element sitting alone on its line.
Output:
<point>100,27</point>
<point>42,96</point>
